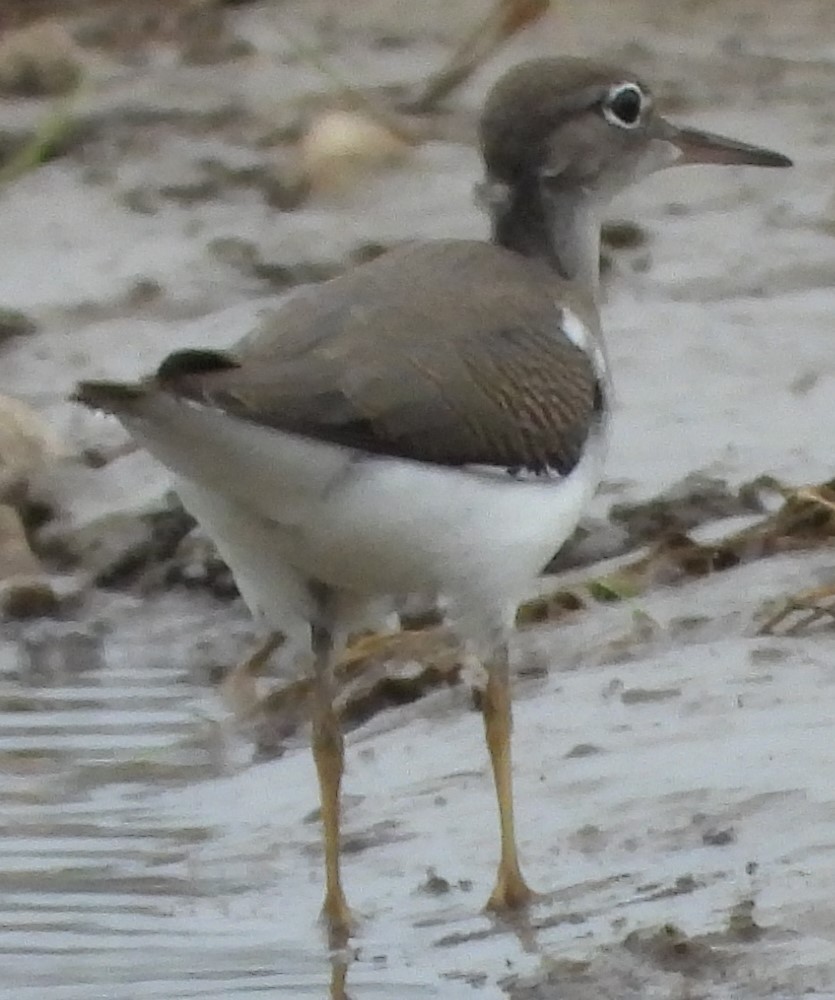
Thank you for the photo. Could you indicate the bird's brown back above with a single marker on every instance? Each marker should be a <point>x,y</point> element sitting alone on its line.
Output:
<point>449,352</point>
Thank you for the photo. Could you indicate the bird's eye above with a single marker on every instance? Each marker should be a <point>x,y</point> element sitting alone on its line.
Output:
<point>624,105</point>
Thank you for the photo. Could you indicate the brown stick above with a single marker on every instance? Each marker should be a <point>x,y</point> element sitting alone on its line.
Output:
<point>501,23</point>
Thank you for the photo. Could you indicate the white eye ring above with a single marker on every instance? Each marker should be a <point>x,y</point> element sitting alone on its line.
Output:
<point>624,106</point>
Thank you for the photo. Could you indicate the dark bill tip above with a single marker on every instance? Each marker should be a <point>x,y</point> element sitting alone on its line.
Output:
<point>706,147</point>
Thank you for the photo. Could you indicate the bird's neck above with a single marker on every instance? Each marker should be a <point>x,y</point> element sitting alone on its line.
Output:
<point>560,227</point>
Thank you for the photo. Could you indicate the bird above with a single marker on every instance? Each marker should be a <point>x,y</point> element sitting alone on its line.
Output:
<point>433,421</point>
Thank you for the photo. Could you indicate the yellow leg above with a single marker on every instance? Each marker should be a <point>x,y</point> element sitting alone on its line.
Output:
<point>511,891</point>
<point>328,755</point>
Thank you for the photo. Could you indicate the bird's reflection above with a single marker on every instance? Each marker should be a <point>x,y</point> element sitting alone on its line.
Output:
<point>340,961</point>
<point>341,956</point>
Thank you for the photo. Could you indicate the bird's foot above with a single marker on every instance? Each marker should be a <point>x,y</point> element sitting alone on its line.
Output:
<point>511,893</point>
<point>801,610</point>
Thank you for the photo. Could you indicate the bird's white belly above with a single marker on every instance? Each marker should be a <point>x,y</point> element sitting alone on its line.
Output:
<point>364,524</point>
<point>403,526</point>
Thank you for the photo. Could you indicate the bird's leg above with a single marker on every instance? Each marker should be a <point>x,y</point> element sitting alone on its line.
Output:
<point>511,890</point>
<point>329,757</point>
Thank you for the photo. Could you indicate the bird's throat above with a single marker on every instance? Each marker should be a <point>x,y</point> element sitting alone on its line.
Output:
<point>557,226</point>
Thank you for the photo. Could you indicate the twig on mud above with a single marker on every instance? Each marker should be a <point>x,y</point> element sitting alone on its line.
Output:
<point>501,23</point>
<point>806,520</point>
<point>806,608</point>
<point>504,20</point>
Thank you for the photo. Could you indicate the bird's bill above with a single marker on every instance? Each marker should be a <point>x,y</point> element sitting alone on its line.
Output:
<point>696,146</point>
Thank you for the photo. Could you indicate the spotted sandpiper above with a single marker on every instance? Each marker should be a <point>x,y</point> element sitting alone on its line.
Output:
<point>432,421</point>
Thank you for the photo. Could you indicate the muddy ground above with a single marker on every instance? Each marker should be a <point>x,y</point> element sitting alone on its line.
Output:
<point>673,765</point>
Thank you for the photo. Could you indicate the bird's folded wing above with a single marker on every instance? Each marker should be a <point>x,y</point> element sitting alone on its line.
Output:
<point>451,354</point>
<point>514,398</point>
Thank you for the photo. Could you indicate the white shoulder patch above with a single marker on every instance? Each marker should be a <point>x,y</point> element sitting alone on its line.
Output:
<point>575,329</point>
<point>580,335</point>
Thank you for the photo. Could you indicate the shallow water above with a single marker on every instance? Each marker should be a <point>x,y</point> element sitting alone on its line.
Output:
<point>108,888</point>
<point>142,856</point>
<point>95,884</point>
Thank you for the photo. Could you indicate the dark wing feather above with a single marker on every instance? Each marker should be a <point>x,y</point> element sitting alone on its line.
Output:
<point>446,353</point>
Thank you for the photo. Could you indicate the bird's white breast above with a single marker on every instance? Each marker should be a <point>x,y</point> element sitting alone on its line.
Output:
<point>365,524</point>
